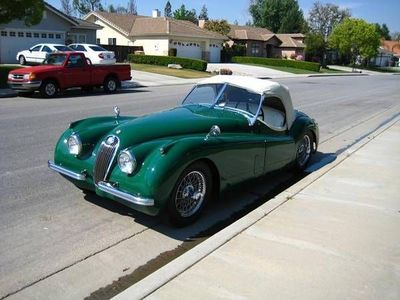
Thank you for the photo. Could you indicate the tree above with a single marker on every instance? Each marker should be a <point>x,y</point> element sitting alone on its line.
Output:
<point>168,10</point>
<point>183,14</point>
<point>220,26</point>
<point>121,10</point>
<point>355,37</point>
<point>383,31</point>
<point>30,11</point>
<point>85,6</point>
<point>111,9</point>
<point>66,7</point>
<point>324,17</point>
<point>280,16</point>
<point>396,36</point>
<point>321,21</point>
<point>203,13</point>
<point>132,7</point>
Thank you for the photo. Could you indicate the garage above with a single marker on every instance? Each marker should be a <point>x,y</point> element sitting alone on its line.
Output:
<point>188,49</point>
<point>215,53</point>
<point>12,41</point>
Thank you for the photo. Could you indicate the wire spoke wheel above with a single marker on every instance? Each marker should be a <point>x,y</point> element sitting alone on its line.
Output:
<point>304,151</point>
<point>190,193</point>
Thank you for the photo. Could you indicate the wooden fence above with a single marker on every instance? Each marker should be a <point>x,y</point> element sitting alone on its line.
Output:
<point>121,52</point>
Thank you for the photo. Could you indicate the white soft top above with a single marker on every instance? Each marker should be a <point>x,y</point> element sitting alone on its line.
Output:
<point>259,86</point>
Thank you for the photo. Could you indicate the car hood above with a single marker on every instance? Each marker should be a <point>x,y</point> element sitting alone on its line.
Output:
<point>36,69</point>
<point>179,121</point>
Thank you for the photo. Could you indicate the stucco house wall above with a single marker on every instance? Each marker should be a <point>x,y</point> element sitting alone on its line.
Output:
<point>107,32</point>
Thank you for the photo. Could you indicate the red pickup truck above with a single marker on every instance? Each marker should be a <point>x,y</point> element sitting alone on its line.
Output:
<point>65,70</point>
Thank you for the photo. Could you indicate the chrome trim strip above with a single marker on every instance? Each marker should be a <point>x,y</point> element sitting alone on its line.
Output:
<point>65,171</point>
<point>108,188</point>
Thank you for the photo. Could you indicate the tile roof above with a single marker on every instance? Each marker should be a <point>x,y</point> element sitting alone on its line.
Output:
<point>392,46</point>
<point>289,42</point>
<point>137,26</point>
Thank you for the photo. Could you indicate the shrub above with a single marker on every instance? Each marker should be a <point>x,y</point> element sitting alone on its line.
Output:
<point>187,63</point>
<point>4,74</point>
<point>277,62</point>
<point>225,72</point>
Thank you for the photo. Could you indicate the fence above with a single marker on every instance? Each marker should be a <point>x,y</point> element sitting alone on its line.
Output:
<point>121,52</point>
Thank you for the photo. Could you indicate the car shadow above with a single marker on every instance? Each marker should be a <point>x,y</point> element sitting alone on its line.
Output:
<point>73,93</point>
<point>319,160</point>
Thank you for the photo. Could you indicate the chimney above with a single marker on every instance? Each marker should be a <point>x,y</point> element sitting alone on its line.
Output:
<point>156,13</point>
<point>202,23</point>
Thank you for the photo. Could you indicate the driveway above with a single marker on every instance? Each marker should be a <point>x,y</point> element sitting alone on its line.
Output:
<point>247,70</point>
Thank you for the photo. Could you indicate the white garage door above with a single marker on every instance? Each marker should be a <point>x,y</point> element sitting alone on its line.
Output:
<point>215,53</point>
<point>188,49</point>
<point>13,41</point>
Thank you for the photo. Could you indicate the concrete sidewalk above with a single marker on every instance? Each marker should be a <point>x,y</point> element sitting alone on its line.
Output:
<point>333,235</point>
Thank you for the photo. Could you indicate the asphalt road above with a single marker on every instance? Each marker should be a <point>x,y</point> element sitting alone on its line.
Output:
<point>59,243</point>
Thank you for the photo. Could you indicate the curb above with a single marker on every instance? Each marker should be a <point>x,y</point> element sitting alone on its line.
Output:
<point>338,74</point>
<point>6,93</point>
<point>173,269</point>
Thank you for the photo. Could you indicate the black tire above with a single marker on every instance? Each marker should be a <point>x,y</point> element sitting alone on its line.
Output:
<point>49,89</point>
<point>304,150</point>
<point>110,84</point>
<point>190,195</point>
<point>22,60</point>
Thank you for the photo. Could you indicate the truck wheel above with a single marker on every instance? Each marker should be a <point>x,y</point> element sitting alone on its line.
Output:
<point>49,89</point>
<point>22,60</point>
<point>191,193</point>
<point>110,84</point>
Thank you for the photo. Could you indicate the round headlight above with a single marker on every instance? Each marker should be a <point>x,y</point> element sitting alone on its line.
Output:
<point>74,144</point>
<point>126,162</point>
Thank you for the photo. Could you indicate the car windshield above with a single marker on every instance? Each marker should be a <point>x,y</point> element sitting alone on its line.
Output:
<point>55,59</point>
<point>225,96</point>
<point>203,94</point>
<point>97,48</point>
<point>63,48</point>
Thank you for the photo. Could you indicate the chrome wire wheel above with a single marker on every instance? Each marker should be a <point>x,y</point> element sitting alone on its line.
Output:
<point>190,194</point>
<point>304,151</point>
<point>111,85</point>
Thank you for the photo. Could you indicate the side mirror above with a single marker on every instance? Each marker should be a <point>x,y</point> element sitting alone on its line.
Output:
<point>30,50</point>
<point>214,131</point>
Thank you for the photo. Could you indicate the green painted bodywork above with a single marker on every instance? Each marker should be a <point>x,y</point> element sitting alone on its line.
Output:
<point>165,143</point>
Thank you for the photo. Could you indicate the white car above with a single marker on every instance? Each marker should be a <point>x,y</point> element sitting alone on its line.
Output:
<point>94,53</point>
<point>39,52</point>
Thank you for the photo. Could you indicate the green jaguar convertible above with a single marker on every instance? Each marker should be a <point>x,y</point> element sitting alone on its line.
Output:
<point>228,129</point>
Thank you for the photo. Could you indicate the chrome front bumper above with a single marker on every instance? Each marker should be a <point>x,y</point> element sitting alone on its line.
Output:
<point>103,186</point>
<point>25,85</point>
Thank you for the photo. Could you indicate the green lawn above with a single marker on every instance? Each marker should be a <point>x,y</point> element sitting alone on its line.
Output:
<point>182,73</point>
<point>298,71</point>
<point>4,69</point>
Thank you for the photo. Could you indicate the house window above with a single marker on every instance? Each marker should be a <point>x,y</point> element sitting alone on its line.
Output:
<point>255,48</point>
<point>29,34</point>
<point>51,35</point>
<point>58,36</point>
<point>12,33</point>
<point>20,34</point>
<point>36,35</point>
<point>4,33</point>
<point>112,41</point>
<point>44,35</point>
<point>98,41</point>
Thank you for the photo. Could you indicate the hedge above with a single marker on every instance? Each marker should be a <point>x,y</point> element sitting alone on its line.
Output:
<point>4,74</point>
<point>305,65</point>
<point>187,63</point>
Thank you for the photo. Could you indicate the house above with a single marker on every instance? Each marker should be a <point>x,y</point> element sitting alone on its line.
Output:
<point>262,42</point>
<point>389,50</point>
<point>55,28</point>
<point>157,35</point>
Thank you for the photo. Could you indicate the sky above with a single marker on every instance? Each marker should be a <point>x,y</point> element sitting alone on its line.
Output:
<point>373,11</point>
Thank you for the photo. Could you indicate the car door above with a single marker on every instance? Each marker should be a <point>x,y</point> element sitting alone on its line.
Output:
<point>33,54</point>
<point>76,72</point>
<point>43,53</point>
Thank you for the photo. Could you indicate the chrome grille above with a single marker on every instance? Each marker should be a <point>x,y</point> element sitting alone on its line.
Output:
<point>18,76</point>
<point>105,158</point>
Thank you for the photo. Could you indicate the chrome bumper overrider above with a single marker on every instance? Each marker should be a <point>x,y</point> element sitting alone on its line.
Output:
<point>106,187</point>
<point>66,172</point>
<point>103,186</point>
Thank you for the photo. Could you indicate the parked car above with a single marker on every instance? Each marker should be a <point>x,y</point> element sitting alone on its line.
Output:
<point>95,54</point>
<point>38,53</point>
<point>228,129</point>
<point>61,71</point>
